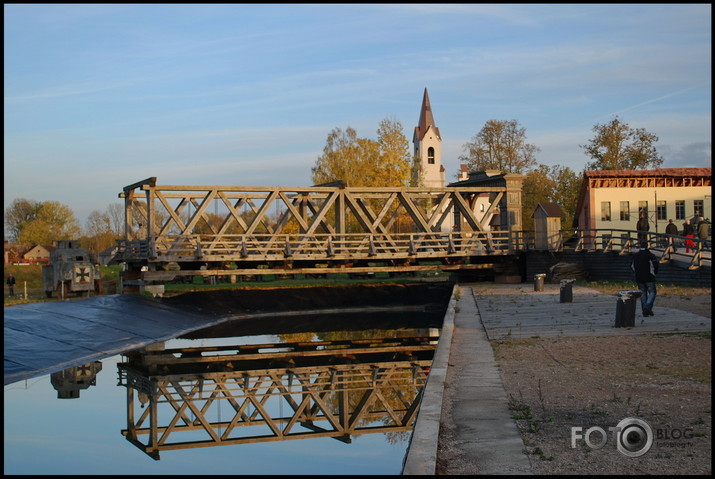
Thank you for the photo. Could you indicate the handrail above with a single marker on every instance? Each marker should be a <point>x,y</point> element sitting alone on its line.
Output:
<point>622,242</point>
<point>277,247</point>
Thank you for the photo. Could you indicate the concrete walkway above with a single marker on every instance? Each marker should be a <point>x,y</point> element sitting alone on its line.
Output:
<point>486,438</point>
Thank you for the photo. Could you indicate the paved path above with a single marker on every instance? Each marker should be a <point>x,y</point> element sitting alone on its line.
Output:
<point>485,437</point>
<point>517,311</point>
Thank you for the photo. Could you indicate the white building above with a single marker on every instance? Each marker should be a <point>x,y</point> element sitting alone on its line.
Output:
<point>614,199</point>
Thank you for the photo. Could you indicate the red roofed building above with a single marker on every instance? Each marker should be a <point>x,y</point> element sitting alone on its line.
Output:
<point>614,199</point>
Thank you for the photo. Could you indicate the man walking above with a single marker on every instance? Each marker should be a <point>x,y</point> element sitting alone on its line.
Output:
<point>645,267</point>
<point>671,229</point>
<point>703,227</point>
<point>642,226</point>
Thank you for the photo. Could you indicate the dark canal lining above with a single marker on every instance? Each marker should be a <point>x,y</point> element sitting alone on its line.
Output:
<point>47,435</point>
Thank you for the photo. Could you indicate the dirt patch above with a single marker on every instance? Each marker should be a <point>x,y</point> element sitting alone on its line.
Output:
<point>554,384</point>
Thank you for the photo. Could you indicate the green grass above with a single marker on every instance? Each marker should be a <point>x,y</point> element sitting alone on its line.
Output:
<point>32,274</point>
<point>111,274</point>
<point>299,280</point>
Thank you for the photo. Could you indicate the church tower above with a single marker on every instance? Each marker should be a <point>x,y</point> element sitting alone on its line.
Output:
<point>428,150</point>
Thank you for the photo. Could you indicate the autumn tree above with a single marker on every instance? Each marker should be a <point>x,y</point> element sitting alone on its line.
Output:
<point>500,145</point>
<point>553,184</point>
<point>365,162</point>
<point>395,160</point>
<point>31,222</point>
<point>617,146</point>
<point>568,190</point>
<point>20,212</point>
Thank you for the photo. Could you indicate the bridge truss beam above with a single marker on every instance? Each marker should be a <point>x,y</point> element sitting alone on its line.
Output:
<point>305,228</point>
<point>201,397</point>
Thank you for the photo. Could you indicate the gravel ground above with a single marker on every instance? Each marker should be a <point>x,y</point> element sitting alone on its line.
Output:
<point>555,384</point>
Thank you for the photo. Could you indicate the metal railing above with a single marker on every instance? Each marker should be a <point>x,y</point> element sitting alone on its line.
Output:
<point>621,242</point>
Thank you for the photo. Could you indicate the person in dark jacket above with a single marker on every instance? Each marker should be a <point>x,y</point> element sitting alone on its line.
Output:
<point>645,267</point>
<point>671,229</point>
<point>11,284</point>
<point>642,226</point>
<point>688,232</point>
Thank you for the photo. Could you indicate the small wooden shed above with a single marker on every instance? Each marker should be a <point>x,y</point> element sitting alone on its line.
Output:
<point>547,226</point>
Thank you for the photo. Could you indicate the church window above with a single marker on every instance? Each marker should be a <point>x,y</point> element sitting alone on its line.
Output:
<point>430,155</point>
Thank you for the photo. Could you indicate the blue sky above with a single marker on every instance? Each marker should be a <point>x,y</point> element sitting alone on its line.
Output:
<point>98,97</point>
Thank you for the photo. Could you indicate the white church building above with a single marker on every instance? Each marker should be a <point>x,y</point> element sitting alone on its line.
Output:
<point>427,148</point>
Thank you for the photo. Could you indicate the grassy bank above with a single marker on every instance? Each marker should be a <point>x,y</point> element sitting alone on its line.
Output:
<point>30,276</point>
<point>612,287</point>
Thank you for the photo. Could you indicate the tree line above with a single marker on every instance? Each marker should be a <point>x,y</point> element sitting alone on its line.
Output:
<point>386,161</point>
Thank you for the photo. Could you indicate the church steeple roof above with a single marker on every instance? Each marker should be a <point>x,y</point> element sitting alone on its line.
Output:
<point>426,119</point>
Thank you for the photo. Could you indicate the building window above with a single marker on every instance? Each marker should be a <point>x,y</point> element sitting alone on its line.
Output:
<point>679,210</point>
<point>625,211</point>
<point>430,155</point>
<point>642,209</point>
<point>605,211</point>
<point>661,210</point>
<point>698,208</point>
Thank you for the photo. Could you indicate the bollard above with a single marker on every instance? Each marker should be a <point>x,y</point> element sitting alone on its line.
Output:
<point>539,282</point>
<point>566,290</point>
<point>626,308</point>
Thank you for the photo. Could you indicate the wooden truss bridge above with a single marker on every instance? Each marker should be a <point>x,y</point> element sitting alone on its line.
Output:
<point>232,230</point>
<point>211,231</point>
<point>219,396</point>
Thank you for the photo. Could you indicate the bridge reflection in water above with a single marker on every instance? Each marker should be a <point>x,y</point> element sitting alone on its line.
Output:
<point>192,397</point>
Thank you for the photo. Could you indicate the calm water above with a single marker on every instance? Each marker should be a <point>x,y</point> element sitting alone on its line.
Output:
<point>45,434</point>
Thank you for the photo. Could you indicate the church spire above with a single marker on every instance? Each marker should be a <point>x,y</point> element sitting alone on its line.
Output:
<point>426,118</point>
<point>427,147</point>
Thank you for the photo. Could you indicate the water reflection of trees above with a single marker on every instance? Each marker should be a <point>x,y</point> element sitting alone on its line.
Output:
<point>333,384</point>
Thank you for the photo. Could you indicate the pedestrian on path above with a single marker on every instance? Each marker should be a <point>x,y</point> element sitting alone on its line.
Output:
<point>671,229</point>
<point>11,284</point>
<point>645,267</point>
<point>642,226</point>
<point>688,232</point>
<point>703,227</point>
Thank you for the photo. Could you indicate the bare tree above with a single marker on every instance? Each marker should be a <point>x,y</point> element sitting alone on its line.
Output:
<point>115,211</point>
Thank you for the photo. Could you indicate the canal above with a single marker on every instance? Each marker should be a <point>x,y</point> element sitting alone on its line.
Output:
<point>323,394</point>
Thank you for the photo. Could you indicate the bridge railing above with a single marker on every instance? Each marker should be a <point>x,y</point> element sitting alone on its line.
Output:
<point>319,247</point>
<point>621,242</point>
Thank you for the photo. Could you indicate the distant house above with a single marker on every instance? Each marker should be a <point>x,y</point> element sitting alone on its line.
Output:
<point>38,254</point>
<point>12,252</point>
<point>105,256</point>
<point>507,214</point>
